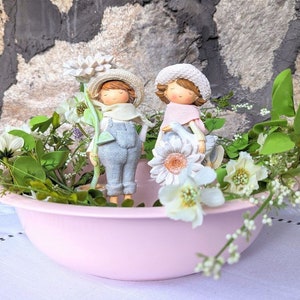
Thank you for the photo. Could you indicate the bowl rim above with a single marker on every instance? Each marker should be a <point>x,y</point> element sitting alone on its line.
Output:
<point>27,203</point>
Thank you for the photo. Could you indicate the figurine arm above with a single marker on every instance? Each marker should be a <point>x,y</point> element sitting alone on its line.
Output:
<point>143,132</point>
<point>199,135</point>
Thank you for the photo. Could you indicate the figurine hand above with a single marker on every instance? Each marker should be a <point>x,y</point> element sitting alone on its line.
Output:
<point>167,128</point>
<point>202,147</point>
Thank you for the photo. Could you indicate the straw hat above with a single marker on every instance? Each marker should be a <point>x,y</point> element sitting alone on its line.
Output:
<point>117,74</point>
<point>185,71</point>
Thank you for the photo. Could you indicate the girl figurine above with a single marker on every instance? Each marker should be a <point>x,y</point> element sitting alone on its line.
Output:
<point>183,87</point>
<point>117,93</point>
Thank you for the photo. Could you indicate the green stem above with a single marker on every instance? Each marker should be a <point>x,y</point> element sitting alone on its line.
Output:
<point>82,130</point>
<point>96,123</point>
<point>62,185</point>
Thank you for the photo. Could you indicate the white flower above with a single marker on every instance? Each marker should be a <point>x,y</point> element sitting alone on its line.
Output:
<point>72,109</point>
<point>172,156</point>
<point>83,69</point>
<point>243,175</point>
<point>184,201</point>
<point>10,145</point>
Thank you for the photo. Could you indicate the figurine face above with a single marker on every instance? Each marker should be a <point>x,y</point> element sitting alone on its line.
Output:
<point>178,94</point>
<point>114,96</point>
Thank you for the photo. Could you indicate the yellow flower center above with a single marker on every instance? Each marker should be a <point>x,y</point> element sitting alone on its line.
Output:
<point>241,177</point>
<point>188,196</point>
<point>81,107</point>
<point>175,162</point>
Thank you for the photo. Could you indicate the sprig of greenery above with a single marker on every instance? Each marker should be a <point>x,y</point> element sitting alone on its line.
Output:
<point>276,145</point>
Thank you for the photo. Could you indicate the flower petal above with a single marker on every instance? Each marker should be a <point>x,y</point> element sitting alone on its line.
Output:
<point>212,197</point>
<point>167,193</point>
<point>205,175</point>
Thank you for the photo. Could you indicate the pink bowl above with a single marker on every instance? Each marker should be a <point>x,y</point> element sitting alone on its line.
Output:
<point>127,243</point>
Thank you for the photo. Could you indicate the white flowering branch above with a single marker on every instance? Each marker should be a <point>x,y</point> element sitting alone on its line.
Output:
<point>211,266</point>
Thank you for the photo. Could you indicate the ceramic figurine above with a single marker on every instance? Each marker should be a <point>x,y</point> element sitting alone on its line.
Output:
<point>183,88</point>
<point>117,93</point>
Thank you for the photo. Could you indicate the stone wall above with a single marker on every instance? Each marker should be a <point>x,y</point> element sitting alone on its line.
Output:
<point>240,45</point>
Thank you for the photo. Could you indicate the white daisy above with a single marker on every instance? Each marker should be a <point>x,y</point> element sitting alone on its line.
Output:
<point>171,156</point>
<point>10,145</point>
<point>84,68</point>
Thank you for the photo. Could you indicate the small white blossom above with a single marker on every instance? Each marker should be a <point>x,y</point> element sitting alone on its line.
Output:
<point>210,266</point>
<point>264,111</point>
<point>234,258</point>
<point>228,236</point>
<point>249,224</point>
<point>234,255</point>
<point>267,220</point>
<point>236,107</point>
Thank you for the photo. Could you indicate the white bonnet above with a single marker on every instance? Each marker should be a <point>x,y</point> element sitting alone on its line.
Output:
<point>185,71</point>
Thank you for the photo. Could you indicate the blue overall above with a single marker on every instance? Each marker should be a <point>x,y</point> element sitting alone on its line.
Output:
<point>120,158</point>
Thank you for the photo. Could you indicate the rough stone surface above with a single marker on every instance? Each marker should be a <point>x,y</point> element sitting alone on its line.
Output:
<point>8,58</point>
<point>37,26</point>
<point>240,46</point>
<point>249,33</point>
<point>3,19</point>
<point>257,41</point>
<point>63,5</point>
<point>296,82</point>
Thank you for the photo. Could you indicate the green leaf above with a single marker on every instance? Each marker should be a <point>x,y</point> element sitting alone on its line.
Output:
<point>157,203</point>
<point>41,123</point>
<point>96,198</point>
<point>27,168</point>
<point>295,138</point>
<point>95,193</point>
<point>214,123</point>
<point>54,160</point>
<point>237,145</point>
<point>297,122</point>
<point>277,142</point>
<point>29,141</point>
<point>263,126</point>
<point>221,173</point>
<point>99,201</point>
<point>41,189</point>
<point>282,95</point>
<point>84,179</point>
<point>253,147</point>
<point>39,148</point>
<point>127,203</point>
<point>293,172</point>
<point>55,120</point>
<point>109,204</point>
